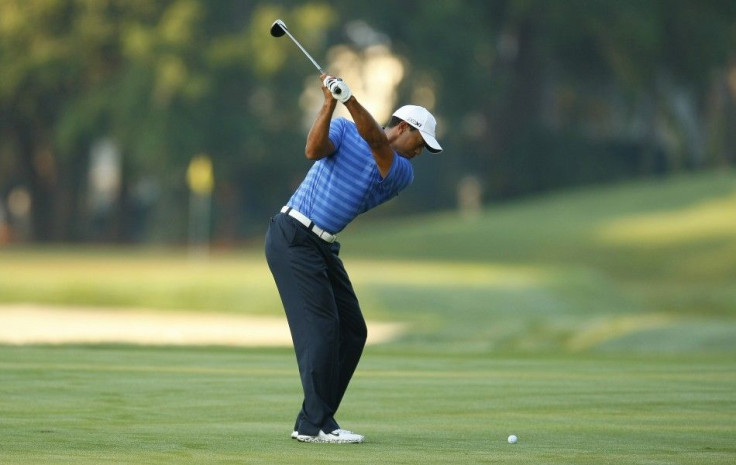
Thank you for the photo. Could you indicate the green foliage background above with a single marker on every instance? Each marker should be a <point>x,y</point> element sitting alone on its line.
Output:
<point>532,96</point>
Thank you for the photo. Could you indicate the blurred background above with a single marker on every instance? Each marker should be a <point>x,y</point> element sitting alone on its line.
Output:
<point>175,121</point>
<point>565,270</point>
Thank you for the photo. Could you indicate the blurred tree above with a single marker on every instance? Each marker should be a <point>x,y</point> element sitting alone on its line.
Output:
<point>541,94</point>
<point>57,58</point>
<point>531,95</point>
<point>165,80</point>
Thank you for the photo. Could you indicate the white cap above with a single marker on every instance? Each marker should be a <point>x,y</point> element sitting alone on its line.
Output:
<point>422,119</point>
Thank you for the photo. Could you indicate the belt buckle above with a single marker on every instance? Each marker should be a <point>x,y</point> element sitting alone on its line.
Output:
<point>322,235</point>
<point>327,237</point>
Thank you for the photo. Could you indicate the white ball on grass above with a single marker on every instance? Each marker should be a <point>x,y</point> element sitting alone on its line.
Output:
<point>513,439</point>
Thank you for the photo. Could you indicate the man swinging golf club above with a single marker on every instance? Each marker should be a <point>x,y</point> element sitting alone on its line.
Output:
<point>358,165</point>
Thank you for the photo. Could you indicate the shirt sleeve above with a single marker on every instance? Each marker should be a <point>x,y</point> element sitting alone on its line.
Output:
<point>337,132</point>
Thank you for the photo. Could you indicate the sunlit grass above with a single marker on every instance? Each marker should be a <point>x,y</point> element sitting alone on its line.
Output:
<point>576,271</point>
<point>600,330</point>
<point>121,277</point>
<point>447,274</point>
<point>712,219</point>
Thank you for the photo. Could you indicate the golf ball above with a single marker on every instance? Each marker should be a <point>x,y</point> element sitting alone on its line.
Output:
<point>513,439</point>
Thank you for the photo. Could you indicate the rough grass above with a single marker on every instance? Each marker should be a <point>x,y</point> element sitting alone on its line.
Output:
<point>165,279</point>
<point>644,266</point>
<point>647,266</point>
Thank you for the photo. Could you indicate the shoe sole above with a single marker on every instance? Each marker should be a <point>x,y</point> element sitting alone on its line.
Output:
<point>295,435</point>
<point>316,440</point>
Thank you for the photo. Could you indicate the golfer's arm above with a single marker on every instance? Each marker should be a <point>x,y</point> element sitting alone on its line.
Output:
<point>373,134</point>
<point>318,140</point>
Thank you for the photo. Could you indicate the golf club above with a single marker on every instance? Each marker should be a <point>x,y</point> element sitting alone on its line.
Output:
<point>278,29</point>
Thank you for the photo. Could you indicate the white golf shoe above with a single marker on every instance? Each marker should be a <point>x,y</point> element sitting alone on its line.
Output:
<point>339,436</point>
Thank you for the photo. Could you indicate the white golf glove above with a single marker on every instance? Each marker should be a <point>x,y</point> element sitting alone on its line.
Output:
<point>339,89</point>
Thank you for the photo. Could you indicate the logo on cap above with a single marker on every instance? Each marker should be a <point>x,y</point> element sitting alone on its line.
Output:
<point>414,122</point>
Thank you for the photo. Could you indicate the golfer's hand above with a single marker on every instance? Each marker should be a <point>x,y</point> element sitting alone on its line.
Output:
<point>338,88</point>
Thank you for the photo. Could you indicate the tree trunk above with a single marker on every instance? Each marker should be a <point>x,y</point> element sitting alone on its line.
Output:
<point>39,172</point>
<point>520,107</point>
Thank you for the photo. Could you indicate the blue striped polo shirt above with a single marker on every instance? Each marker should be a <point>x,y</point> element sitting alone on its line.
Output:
<point>345,184</point>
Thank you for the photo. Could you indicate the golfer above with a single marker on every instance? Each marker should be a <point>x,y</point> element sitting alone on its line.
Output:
<point>358,166</point>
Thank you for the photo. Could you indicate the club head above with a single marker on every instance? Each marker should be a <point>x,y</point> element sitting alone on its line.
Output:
<point>278,28</point>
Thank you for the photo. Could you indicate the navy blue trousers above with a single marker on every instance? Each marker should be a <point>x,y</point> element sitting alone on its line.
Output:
<point>325,320</point>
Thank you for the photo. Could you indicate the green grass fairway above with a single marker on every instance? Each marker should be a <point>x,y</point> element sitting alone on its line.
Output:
<point>597,325</point>
<point>92,405</point>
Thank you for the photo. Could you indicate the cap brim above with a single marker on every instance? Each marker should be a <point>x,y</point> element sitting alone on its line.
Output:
<point>431,143</point>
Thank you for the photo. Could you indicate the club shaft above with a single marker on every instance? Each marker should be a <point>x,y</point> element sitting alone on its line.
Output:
<point>319,68</point>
